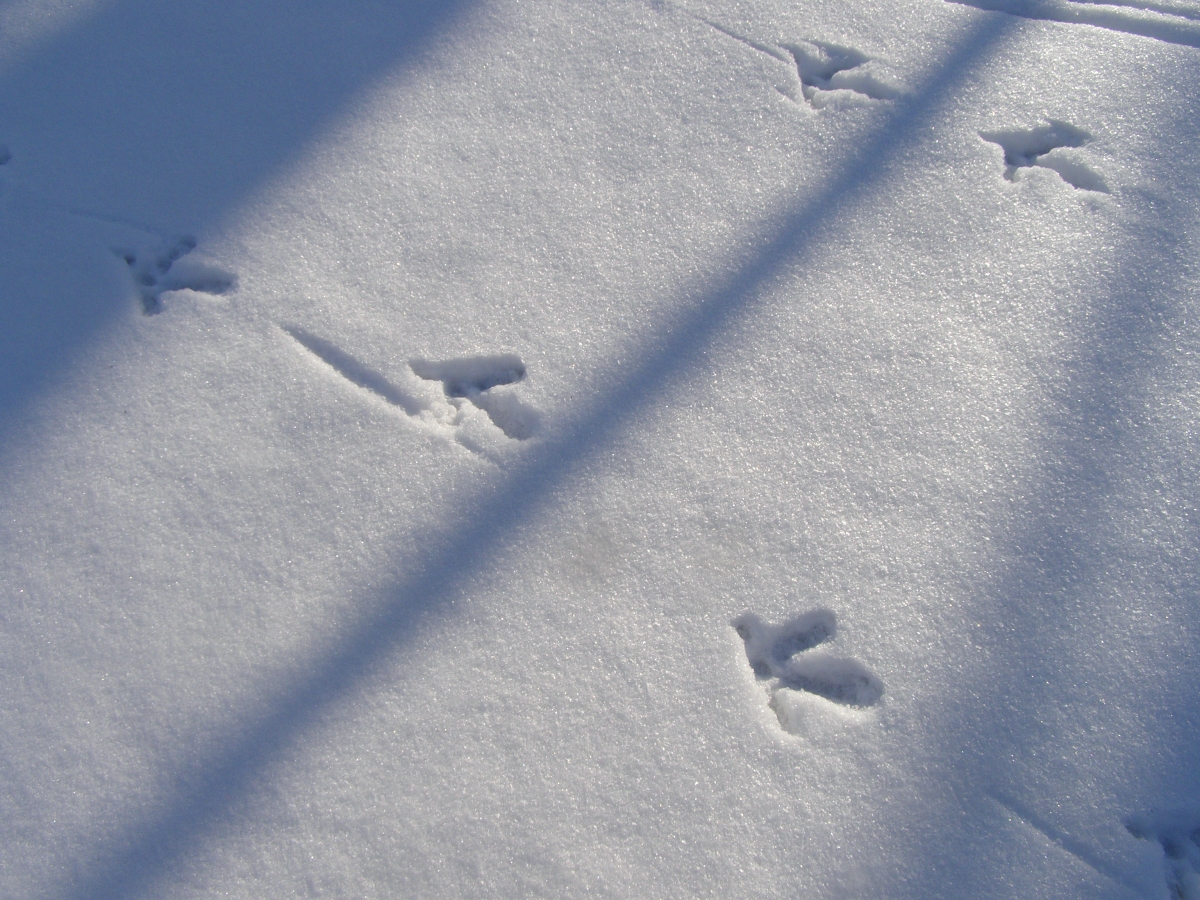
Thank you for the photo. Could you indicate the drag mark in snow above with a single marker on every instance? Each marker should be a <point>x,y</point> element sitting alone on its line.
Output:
<point>817,72</point>
<point>1173,23</point>
<point>1178,833</point>
<point>1028,147</point>
<point>355,372</point>
<point>166,267</point>
<point>1060,838</point>
<point>778,657</point>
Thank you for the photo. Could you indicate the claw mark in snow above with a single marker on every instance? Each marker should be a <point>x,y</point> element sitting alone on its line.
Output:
<point>1027,147</point>
<point>1173,23</point>
<point>778,656</point>
<point>819,72</point>
<point>1178,833</point>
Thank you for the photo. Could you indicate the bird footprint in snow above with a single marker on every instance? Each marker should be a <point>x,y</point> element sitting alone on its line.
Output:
<point>169,266</point>
<point>1047,147</point>
<point>475,404</point>
<point>819,73</point>
<point>156,264</point>
<point>779,657</point>
<point>471,380</point>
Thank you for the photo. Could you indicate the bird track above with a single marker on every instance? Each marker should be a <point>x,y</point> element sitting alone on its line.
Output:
<point>779,657</point>
<point>816,73</point>
<point>167,265</point>
<point>474,402</point>
<point>1177,831</point>
<point>1041,147</point>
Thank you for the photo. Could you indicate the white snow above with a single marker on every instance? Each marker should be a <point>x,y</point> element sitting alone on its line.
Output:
<point>651,448</point>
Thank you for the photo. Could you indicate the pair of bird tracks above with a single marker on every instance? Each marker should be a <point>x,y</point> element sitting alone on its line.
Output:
<point>821,75</point>
<point>472,404</point>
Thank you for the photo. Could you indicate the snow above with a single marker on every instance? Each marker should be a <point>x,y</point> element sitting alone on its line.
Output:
<point>638,448</point>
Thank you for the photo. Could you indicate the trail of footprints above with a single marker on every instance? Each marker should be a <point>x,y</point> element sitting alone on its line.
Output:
<point>815,73</point>
<point>779,657</point>
<point>476,389</point>
<point>470,399</point>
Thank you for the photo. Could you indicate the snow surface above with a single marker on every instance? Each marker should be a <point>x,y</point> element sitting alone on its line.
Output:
<point>495,448</point>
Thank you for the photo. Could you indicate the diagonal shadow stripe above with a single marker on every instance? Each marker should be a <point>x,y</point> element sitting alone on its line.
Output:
<point>1069,581</point>
<point>1063,556</point>
<point>133,864</point>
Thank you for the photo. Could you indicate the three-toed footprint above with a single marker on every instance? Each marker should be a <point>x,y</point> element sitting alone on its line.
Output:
<point>473,401</point>
<point>818,73</point>
<point>169,266</point>
<point>778,657</point>
<point>1047,146</point>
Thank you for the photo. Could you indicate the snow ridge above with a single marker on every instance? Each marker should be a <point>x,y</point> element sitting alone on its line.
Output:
<point>1171,23</point>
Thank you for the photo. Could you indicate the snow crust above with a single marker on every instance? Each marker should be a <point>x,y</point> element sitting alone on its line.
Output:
<point>724,448</point>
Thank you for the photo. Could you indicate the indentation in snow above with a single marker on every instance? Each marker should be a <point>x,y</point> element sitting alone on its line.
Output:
<point>475,380</point>
<point>476,405</point>
<point>168,266</point>
<point>778,656</point>
<point>820,73</point>
<point>1047,147</point>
